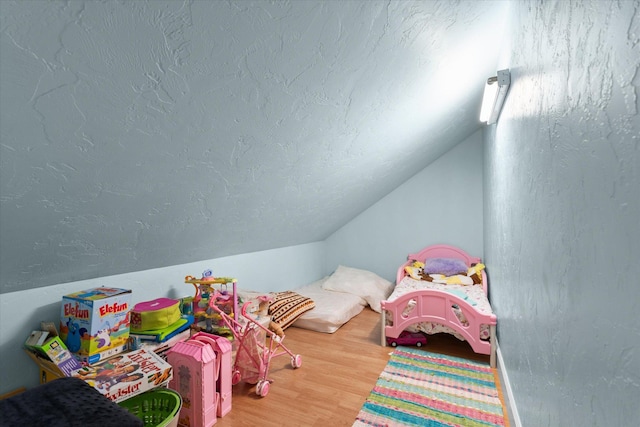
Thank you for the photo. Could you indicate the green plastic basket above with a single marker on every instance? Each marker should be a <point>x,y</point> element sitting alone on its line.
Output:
<point>159,407</point>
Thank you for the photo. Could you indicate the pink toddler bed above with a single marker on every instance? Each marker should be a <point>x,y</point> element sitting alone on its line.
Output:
<point>431,307</point>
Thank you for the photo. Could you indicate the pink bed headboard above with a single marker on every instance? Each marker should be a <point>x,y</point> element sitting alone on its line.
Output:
<point>440,251</point>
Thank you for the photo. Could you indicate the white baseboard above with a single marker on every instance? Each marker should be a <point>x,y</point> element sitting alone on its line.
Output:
<point>513,410</point>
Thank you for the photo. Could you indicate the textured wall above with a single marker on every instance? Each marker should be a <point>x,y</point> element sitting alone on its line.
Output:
<point>434,206</point>
<point>21,312</point>
<point>143,134</point>
<point>562,218</point>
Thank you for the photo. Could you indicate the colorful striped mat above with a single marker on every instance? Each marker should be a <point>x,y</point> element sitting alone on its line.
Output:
<point>418,388</point>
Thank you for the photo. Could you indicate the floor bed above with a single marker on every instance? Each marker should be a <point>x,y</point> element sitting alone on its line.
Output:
<point>332,310</point>
<point>327,304</point>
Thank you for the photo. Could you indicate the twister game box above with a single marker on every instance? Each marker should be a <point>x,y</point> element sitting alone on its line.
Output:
<point>128,374</point>
<point>95,322</point>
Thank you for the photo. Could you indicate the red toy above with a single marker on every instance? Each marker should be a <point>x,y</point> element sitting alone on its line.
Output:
<point>408,338</point>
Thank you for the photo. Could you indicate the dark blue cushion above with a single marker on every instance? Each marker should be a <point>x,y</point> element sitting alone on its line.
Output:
<point>65,402</point>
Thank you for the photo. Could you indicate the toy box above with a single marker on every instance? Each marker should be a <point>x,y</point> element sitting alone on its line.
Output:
<point>95,321</point>
<point>102,355</point>
<point>55,350</point>
<point>127,374</point>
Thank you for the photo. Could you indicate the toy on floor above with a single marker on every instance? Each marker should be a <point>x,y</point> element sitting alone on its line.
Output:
<point>253,357</point>
<point>408,338</point>
<point>206,319</point>
<point>195,378</point>
<point>223,351</point>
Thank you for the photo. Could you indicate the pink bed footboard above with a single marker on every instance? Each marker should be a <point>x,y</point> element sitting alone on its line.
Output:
<point>440,307</point>
<point>437,306</point>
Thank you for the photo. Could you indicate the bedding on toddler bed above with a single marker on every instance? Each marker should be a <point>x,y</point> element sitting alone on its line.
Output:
<point>333,309</point>
<point>473,294</point>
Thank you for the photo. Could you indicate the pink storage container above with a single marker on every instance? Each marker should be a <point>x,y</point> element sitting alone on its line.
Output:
<point>195,376</point>
<point>223,350</point>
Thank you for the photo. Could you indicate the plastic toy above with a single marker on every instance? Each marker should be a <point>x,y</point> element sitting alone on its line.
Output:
<point>195,378</point>
<point>408,338</point>
<point>223,351</point>
<point>226,299</point>
<point>254,354</point>
<point>74,335</point>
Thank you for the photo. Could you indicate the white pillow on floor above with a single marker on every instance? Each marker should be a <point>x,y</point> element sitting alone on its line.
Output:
<point>366,284</point>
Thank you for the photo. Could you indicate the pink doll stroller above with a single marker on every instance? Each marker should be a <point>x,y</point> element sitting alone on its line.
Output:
<point>254,354</point>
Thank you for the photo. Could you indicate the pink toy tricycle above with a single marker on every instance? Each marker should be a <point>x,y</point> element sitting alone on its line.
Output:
<point>253,355</point>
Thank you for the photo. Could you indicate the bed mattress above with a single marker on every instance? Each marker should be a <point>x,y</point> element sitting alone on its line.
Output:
<point>473,294</point>
<point>333,309</point>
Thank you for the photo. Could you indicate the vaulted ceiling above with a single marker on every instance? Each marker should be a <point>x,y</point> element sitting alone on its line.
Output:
<point>142,134</point>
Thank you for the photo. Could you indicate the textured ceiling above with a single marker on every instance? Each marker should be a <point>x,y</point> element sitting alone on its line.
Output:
<point>137,135</point>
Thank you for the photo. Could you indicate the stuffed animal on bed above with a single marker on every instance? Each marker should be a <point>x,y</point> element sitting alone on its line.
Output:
<point>475,272</point>
<point>416,270</point>
<point>458,279</point>
<point>473,277</point>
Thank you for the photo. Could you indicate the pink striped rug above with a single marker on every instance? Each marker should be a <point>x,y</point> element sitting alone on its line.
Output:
<point>418,388</point>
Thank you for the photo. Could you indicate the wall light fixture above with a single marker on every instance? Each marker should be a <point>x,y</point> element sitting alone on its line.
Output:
<point>495,92</point>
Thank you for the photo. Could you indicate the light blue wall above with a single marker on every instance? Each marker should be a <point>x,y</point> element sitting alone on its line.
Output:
<point>434,206</point>
<point>440,204</point>
<point>141,134</point>
<point>562,218</point>
<point>21,312</point>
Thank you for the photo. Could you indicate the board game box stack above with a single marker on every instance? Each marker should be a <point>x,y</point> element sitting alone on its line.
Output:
<point>128,374</point>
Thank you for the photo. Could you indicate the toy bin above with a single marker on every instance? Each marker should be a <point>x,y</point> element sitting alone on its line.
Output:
<point>156,408</point>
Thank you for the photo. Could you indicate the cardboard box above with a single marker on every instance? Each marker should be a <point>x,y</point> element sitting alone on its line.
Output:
<point>103,355</point>
<point>127,374</point>
<point>95,320</point>
<point>48,371</point>
<point>54,349</point>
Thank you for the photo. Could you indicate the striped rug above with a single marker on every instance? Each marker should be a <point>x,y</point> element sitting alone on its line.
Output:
<point>418,388</point>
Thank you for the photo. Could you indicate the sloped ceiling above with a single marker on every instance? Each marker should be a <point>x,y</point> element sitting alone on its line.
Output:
<point>142,134</point>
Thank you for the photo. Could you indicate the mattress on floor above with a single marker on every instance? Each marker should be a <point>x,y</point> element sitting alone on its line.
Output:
<point>332,310</point>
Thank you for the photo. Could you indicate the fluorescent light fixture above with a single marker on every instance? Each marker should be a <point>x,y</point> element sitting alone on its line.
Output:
<point>494,93</point>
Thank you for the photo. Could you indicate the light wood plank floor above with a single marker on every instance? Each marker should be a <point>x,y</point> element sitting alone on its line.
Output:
<point>338,372</point>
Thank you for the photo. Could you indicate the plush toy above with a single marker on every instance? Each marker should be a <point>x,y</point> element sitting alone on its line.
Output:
<point>263,306</point>
<point>275,327</point>
<point>263,310</point>
<point>475,272</point>
<point>458,279</point>
<point>473,277</point>
<point>415,270</point>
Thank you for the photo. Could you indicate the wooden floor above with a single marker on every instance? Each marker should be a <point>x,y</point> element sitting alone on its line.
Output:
<point>338,371</point>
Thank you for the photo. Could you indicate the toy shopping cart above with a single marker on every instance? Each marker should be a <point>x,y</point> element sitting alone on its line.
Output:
<point>256,346</point>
